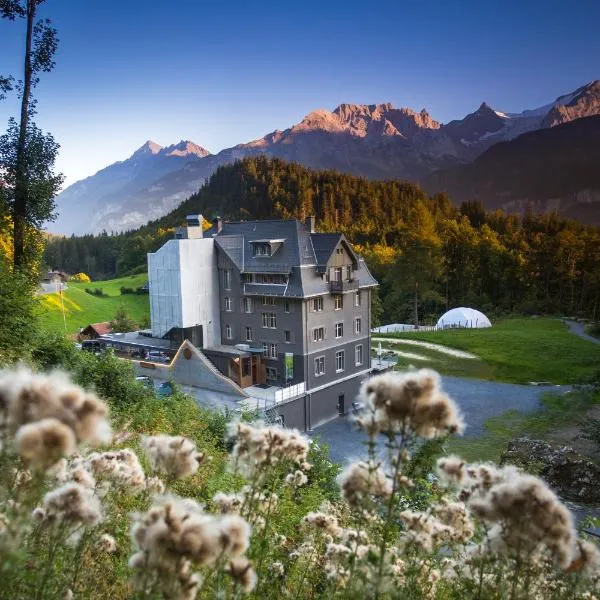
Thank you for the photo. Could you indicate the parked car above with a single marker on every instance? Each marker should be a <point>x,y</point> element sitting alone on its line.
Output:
<point>164,389</point>
<point>158,356</point>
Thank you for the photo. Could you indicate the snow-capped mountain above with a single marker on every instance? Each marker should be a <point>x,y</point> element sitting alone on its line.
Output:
<point>377,141</point>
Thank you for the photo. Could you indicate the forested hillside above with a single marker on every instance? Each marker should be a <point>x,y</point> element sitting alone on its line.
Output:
<point>420,247</point>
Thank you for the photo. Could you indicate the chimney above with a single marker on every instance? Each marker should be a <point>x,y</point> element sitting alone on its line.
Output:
<point>218,224</point>
<point>194,230</point>
<point>310,223</point>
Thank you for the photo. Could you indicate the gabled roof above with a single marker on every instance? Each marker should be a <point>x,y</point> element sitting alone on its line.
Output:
<point>100,328</point>
<point>324,244</point>
<point>302,254</point>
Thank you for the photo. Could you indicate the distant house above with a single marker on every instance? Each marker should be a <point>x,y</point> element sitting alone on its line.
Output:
<point>56,277</point>
<point>94,331</point>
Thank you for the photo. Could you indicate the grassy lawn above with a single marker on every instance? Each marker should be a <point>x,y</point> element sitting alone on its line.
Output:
<point>558,412</point>
<point>513,350</point>
<point>82,308</point>
<point>448,365</point>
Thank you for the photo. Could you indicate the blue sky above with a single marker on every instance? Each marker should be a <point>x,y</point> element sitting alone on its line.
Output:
<point>222,73</point>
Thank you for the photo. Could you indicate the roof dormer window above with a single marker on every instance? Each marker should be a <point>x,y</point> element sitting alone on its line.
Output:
<point>265,247</point>
<point>262,249</point>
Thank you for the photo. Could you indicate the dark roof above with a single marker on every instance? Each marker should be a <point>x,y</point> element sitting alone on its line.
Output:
<point>303,255</point>
<point>324,244</point>
<point>99,328</point>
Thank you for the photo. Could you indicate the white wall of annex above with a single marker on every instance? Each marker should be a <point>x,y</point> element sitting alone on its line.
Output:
<point>200,287</point>
<point>184,288</point>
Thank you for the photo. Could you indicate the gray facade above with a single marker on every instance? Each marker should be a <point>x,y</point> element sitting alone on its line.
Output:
<point>291,291</point>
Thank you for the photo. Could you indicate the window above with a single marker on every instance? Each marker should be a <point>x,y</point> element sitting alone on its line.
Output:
<point>268,300</point>
<point>320,365</point>
<point>337,274</point>
<point>269,350</point>
<point>271,373</point>
<point>358,355</point>
<point>247,278</point>
<point>248,334</point>
<point>227,303</point>
<point>357,299</point>
<point>349,272</point>
<point>227,279</point>
<point>261,249</point>
<point>339,250</point>
<point>287,307</point>
<point>339,330</point>
<point>287,334</point>
<point>338,302</point>
<point>319,334</point>
<point>339,361</point>
<point>276,278</point>
<point>357,325</point>
<point>318,304</point>
<point>269,320</point>
<point>247,305</point>
<point>228,332</point>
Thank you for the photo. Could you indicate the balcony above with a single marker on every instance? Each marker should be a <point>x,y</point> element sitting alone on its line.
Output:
<point>347,285</point>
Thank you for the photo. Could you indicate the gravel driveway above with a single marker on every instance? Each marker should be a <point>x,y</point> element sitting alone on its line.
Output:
<point>479,400</point>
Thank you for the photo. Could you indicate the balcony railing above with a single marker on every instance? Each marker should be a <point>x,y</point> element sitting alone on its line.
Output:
<point>346,285</point>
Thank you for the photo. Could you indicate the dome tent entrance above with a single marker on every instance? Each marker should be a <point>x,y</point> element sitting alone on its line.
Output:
<point>463,317</point>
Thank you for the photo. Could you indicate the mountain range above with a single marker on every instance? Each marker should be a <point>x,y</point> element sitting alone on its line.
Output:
<point>377,141</point>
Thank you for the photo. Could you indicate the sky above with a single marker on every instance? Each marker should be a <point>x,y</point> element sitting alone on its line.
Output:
<point>222,73</point>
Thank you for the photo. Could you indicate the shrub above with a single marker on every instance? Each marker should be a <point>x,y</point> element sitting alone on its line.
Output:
<point>163,511</point>
<point>95,291</point>
<point>81,277</point>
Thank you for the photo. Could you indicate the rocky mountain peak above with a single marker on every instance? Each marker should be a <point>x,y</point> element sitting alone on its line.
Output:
<point>185,148</point>
<point>583,102</point>
<point>149,148</point>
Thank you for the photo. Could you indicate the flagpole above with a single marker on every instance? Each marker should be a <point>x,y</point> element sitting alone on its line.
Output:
<point>62,304</point>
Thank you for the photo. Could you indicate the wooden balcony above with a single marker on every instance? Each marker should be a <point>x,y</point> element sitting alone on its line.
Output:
<point>346,285</point>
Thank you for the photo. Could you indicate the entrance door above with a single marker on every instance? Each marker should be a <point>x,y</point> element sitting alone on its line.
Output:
<point>341,410</point>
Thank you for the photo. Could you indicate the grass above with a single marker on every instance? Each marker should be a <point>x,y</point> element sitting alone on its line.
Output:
<point>82,308</point>
<point>514,350</point>
<point>558,412</point>
<point>448,365</point>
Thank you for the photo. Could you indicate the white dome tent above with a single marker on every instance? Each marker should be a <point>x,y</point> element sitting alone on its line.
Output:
<point>463,318</point>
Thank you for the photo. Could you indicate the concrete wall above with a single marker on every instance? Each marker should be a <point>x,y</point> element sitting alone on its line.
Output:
<point>191,367</point>
<point>184,288</point>
<point>321,406</point>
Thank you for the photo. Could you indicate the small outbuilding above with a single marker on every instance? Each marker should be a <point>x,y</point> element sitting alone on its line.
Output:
<point>465,318</point>
<point>94,330</point>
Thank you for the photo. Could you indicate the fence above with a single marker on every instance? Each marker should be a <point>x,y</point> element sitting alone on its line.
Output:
<point>407,328</point>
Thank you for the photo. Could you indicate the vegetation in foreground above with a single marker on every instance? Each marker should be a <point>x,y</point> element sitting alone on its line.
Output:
<point>520,350</point>
<point>168,507</point>
<point>82,308</point>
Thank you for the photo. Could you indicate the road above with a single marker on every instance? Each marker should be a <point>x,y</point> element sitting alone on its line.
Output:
<point>579,330</point>
<point>478,400</point>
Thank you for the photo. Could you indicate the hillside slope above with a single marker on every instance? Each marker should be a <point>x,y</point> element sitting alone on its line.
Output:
<point>549,169</point>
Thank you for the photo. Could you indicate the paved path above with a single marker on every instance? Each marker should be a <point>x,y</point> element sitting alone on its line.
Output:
<point>579,330</point>
<point>479,400</point>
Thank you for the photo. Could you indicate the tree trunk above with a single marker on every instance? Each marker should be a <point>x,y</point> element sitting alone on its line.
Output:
<point>20,205</point>
<point>416,313</point>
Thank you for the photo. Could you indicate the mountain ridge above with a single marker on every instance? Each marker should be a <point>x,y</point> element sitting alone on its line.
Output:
<point>378,141</point>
